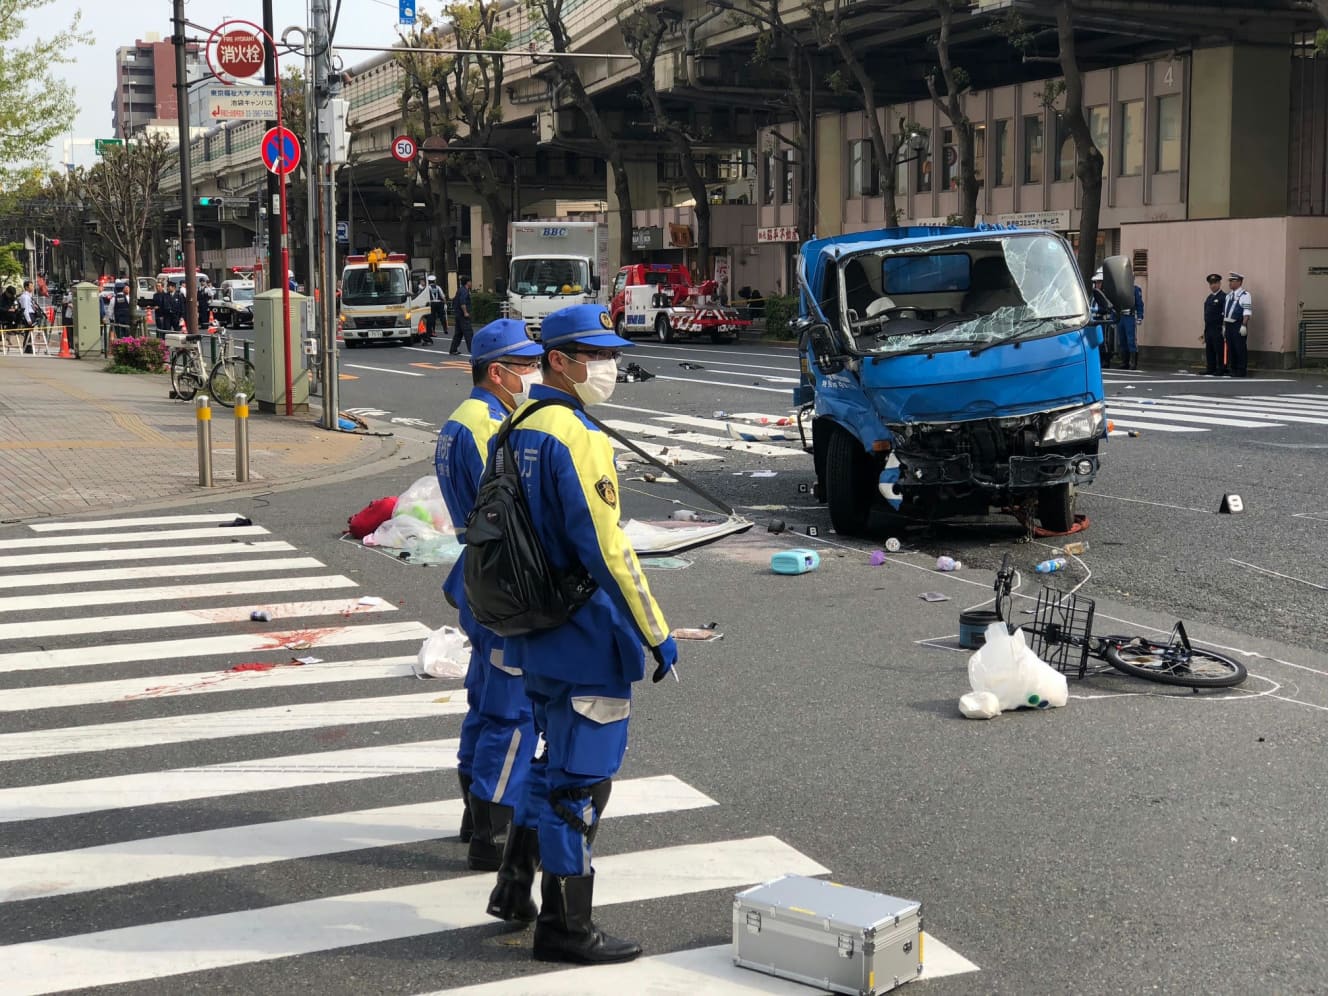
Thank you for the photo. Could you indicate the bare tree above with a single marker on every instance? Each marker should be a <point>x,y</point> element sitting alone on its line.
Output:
<point>643,32</point>
<point>567,75</point>
<point>956,85</point>
<point>1088,161</point>
<point>121,191</point>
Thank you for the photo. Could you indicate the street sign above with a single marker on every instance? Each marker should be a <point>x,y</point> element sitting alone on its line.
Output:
<point>280,150</point>
<point>239,53</point>
<point>242,103</point>
<point>435,150</point>
<point>100,145</point>
<point>403,148</point>
<point>343,231</point>
<point>407,12</point>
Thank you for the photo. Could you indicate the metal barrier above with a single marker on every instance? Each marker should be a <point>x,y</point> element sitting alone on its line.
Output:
<point>241,438</point>
<point>203,415</point>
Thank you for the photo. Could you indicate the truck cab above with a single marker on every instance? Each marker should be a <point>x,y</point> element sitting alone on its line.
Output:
<point>951,371</point>
<point>376,299</point>
<point>670,279</point>
<point>555,264</point>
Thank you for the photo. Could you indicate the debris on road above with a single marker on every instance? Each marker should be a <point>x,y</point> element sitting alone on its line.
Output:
<point>948,564</point>
<point>1007,668</point>
<point>934,596</point>
<point>892,545</point>
<point>797,561</point>
<point>877,558</point>
<point>702,633</point>
<point>259,615</point>
<point>691,366</point>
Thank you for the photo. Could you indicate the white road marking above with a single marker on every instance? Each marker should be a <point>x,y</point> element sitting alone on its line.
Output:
<point>386,370</point>
<point>151,520</point>
<point>701,439</point>
<point>163,571</point>
<point>1245,411</point>
<point>1179,415</point>
<point>279,646</point>
<point>264,774</point>
<point>203,682</point>
<point>155,536</point>
<point>175,618</point>
<point>175,593</point>
<point>791,368</point>
<point>674,454</point>
<point>109,866</point>
<point>144,553</point>
<point>1153,426</point>
<point>719,383</point>
<point>650,348</point>
<point>187,728</point>
<point>157,950</point>
<point>708,970</point>
<point>1195,379</point>
<point>1270,401</point>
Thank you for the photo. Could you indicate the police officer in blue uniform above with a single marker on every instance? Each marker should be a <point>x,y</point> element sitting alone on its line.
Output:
<point>1127,326</point>
<point>498,734</point>
<point>1236,322</point>
<point>1215,305</point>
<point>579,675</point>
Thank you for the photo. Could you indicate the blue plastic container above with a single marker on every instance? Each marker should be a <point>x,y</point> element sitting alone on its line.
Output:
<point>798,561</point>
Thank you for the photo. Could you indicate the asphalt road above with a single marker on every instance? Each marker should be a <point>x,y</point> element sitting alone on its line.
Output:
<point>1142,838</point>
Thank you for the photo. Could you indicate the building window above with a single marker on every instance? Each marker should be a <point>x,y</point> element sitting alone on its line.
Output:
<point>949,160</point>
<point>1099,126</point>
<point>980,153</point>
<point>864,178</point>
<point>1002,164</point>
<point>768,179</point>
<point>786,176</point>
<point>1064,165</point>
<point>1033,148</point>
<point>1131,137</point>
<point>1168,133</point>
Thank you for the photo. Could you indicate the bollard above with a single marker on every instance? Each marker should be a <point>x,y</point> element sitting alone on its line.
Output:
<point>241,438</point>
<point>203,413</point>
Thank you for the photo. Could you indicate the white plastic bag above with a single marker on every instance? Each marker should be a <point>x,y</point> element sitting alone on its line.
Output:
<point>445,653</point>
<point>979,705</point>
<point>1007,668</point>
<point>423,500</point>
<point>425,544</point>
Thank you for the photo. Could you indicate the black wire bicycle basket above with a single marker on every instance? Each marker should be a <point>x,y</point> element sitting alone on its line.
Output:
<point>1062,630</point>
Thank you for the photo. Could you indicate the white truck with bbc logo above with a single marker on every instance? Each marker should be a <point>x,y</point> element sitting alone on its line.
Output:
<point>555,264</point>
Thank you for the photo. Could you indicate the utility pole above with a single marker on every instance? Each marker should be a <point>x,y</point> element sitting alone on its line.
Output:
<point>186,172</point>
<point>325,86</point>
<point>314,287</point>
<point>275,279</point>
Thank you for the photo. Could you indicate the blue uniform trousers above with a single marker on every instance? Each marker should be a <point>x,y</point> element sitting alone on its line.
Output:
<point>504,743</point>
<point>585,733</point>
<point>1125,332</point>
<point>1238,352</point>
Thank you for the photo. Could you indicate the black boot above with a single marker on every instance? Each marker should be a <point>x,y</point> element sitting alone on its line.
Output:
<point>486,845</point>
<point>510,899</point>
<point>467,821</point>
<point>1134,360</point>
<point>564,930</point>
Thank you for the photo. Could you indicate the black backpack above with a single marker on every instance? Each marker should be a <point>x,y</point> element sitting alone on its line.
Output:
<point>511,587</point>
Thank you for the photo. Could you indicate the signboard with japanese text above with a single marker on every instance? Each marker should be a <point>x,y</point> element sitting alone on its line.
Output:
<point>647,239</point>
<point>1055,221</point>
<point>406,12</point>
<point>777,233</point>
<point>242,103</point>
<point>239,53</point>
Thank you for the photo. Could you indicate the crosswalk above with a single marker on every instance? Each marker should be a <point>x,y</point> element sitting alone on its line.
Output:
<point>176,779</point>
<point>1203,412</point>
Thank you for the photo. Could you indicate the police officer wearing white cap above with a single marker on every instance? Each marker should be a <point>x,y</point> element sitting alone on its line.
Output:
<point>498,733</point>
<point>437,317</point>
<point>1236,322</point>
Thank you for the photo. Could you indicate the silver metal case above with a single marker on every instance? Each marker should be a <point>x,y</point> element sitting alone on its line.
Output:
<point>842,939</point>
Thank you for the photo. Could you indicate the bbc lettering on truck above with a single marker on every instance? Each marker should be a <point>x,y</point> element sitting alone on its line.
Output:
<point>555,233</point>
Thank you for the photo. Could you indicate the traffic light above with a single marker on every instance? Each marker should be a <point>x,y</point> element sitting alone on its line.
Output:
<point>211,202</point>
<point>55,242</point>
<point>179,256</point>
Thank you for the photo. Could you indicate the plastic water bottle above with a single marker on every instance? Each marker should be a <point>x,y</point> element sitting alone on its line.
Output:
<point>948,564</point>
<point>1051,566</point>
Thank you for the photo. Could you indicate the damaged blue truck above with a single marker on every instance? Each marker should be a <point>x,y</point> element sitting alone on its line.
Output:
<point>951,371</point>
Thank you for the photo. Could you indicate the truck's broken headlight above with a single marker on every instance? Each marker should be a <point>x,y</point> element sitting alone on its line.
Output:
<point>1078,423</point>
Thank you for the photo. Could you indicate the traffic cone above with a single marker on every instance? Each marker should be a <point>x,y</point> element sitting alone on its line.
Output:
<point>65,354</point>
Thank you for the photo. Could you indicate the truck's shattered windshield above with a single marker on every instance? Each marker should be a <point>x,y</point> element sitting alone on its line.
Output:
<point>968,294</point>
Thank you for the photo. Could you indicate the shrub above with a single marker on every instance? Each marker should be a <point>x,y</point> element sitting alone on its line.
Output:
<point>779,315</point>
<point>483,308</point>
<point>139,353</point>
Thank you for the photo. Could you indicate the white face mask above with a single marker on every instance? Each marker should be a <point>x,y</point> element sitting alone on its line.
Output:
<point>527,381</point>
<point>601,379</point>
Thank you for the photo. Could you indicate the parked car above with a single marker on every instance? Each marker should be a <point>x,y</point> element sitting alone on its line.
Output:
<point>234,304</point>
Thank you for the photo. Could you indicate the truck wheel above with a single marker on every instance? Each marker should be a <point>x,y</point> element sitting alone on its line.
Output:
<point>663,329</point>
<point>849,484</point>
<point>619,329</point>
<point>1055,507</point>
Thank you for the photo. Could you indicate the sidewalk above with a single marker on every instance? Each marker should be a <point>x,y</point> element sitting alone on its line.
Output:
<point>74,439</point>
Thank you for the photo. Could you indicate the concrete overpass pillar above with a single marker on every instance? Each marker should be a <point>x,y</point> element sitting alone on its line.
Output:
<point>643,182</point>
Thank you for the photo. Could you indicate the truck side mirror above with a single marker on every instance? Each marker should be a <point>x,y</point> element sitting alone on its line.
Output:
<point>818,339</point>
<point>1118,283</point>
<point>594,283</point>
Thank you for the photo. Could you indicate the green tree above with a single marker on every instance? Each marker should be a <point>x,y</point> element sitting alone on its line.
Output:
<point>35,102</point>
<point>121,192</point>
<point>10,268</point>
<point>956,84</point>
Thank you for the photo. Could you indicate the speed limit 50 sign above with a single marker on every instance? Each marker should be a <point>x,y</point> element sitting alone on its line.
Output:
<point>404,148</point>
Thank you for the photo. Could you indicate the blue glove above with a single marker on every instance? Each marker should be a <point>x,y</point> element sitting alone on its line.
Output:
<point>666,655</point>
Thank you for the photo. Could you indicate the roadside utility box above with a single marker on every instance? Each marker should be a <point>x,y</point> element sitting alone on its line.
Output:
<point>824,934</point>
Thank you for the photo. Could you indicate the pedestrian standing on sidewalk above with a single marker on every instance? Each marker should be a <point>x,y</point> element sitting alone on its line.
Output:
<point>579,675</point>
<point>1236,321</point>
<point>461,307</point>
<point>1215,305</point>
<point>498,733</point>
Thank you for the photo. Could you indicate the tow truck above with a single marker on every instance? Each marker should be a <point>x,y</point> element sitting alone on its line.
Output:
<point>375,303</point>
<point>678,313</point>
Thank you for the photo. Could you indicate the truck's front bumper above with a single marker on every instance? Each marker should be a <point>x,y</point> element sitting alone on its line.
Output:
<point>376,335</point>
<point>1016,473</point>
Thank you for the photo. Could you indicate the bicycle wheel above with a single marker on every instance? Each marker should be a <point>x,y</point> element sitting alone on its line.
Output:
<point>230,377</point>
<point>185,381</point>
<point>1174,665</point>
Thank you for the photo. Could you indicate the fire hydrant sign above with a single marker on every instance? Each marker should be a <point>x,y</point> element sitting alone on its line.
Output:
<point>239,54</point>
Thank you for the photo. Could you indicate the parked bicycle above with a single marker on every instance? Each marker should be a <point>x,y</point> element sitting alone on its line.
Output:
<point>229,376</point>
<point>1061,633</point>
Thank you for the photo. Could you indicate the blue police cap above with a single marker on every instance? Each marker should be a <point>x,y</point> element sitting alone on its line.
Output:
<point>503,337</point>
<point>582,325</point>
